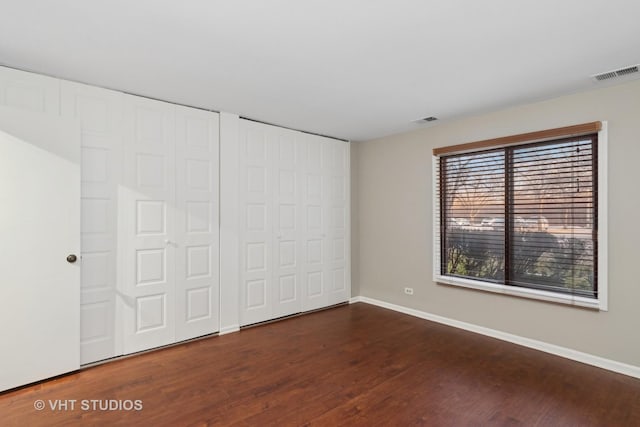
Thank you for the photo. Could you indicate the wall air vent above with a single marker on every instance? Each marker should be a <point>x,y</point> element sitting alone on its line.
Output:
<point>617,73</point>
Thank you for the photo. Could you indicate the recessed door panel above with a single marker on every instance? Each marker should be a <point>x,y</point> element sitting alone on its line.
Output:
<point>151,170</point>
<point>151,313</point>
<point>199,306</point>
<point>314,251</point>
<point>151,266</point>
<point>314,186</point>
<point>315,285</point>
<point>150,217</point>
<point>256,217</point>
<point>199,262</point>
<point>199,216</point>
<point>95,165</point>
<point>256,295</point>
<point>287,217</point>
<point>95,322</point>
<point>95,216</point>
<point>288,291</point>
<point>287,254</point>
<point>339,280</point>
<point>95,270</point>
<point>256,253</point>
<point>287,183</point>
<point>256,180</point>
<point>199,176</point>
<point>314,219</point>
<point>149,122</point>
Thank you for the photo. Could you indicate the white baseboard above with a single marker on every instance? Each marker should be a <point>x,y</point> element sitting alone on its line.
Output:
<point>229,329</point>
<point>589,359</point>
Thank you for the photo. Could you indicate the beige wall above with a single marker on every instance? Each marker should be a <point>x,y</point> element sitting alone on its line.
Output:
<point>392,214</point>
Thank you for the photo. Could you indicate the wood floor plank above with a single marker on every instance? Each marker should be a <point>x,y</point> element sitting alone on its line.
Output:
<point>350,365</point>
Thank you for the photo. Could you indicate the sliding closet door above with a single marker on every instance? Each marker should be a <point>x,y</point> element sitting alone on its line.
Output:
<point>337,211</point>
<point>100,114</point>
<point>316,242</point>
<point>197,231</point>
<point>148,218</point>
<point>293,205</point>
<point>40,229</point>
<point>256,223</point>
<point>326,274</point>
<point>286,175</point>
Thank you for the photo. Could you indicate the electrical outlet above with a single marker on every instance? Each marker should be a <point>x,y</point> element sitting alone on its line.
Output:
<point>408,291</point>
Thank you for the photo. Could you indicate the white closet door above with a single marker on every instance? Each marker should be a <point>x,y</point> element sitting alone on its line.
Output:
<point>40,227</point>
<point>197,231</point>
<point>256,229</point>
<point>294,229</point>
<point>326,274</point>
<point>316,198</point>
<point>337,211</point>
<point>100,114</point>
<point>286,176</point>
<point>28,91</point>
<point>148,218</point>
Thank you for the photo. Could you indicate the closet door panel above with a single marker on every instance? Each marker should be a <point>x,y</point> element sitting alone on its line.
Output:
<point>100,114</point>
<point>148,225</point>
<point>256,206</point>
<point>338,265</point>
<point>287,225</point>
<point>197,231</point>
<point>314,280</point>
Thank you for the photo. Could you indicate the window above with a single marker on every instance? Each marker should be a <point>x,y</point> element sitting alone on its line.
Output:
<point>520,215</point>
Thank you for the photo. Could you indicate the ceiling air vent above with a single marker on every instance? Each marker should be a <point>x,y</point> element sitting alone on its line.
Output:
<point>617,73</point>
<point>426,119</point>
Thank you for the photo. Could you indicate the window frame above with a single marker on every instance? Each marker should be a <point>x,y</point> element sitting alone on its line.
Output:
<point>601,301</point>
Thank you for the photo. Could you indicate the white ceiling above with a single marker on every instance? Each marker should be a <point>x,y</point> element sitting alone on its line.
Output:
<point>354,69</point>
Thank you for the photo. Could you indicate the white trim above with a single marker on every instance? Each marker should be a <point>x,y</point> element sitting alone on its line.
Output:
<point>354,300</point>
<point>229,329</point>
<point>538,294</point>
<point>603,218</point>
<point>578,356</point>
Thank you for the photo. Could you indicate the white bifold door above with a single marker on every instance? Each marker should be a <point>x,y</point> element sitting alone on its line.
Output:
<point>39,250</point>
<point>169,224</point>
<point>99,112</point>
<point>293,221</point>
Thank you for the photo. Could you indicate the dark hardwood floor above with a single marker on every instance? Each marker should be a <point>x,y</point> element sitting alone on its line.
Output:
<point>351,365</point>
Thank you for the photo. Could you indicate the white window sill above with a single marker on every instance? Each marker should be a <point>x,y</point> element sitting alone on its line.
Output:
<point>522,292</point>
